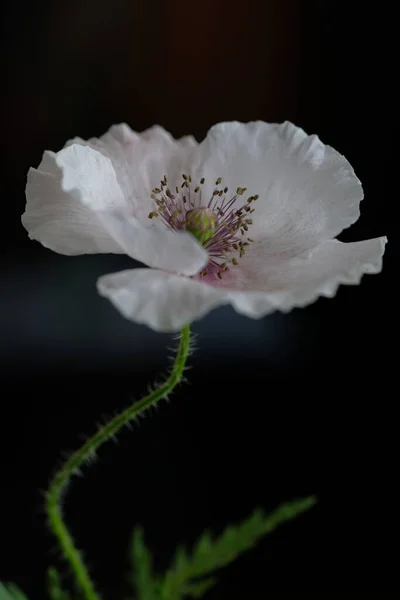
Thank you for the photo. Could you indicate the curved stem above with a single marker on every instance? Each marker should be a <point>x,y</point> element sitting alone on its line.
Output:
<point>62,477</point>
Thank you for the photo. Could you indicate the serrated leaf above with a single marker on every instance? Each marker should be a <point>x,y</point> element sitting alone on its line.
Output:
<point>209,555</point>
<point>11,592</point>
<point>145,581</point>
<point>55,587</point>
<point>197,589</point>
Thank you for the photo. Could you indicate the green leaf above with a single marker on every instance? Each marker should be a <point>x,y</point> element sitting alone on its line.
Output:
<point>11,592</point>
<point>209,555</point>
<point>197,589</point>
<point>146,583</point>
<point>55,587</point>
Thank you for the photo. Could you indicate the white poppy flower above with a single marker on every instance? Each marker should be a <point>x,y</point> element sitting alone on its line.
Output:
<point>247,217</point>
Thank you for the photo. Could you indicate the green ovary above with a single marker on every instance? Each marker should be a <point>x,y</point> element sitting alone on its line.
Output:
<point>202,223</point>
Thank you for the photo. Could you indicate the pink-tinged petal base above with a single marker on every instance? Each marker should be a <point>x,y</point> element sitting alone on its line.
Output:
<point>167,302</point>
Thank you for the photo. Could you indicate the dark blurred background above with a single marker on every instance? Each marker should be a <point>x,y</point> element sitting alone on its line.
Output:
<point>275,409</point>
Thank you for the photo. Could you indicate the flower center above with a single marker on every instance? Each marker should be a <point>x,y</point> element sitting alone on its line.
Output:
<point>202,223</point>
<point>219,224</point>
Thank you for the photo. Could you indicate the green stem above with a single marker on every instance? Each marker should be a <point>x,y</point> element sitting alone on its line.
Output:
<point>61,479</point>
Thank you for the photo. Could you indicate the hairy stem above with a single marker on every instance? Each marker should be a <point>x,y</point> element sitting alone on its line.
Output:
<point>61,479</point>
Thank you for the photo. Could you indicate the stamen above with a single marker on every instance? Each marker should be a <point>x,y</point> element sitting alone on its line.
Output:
<point>216,224</point>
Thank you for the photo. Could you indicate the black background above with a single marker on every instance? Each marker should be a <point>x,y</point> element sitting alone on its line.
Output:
<point>275,409</point>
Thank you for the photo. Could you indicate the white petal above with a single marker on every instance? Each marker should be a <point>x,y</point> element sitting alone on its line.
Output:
<point>160,300</point>
<point>263,286</point>
<point>141,160</point>
<point>174,251</point>
<point>308,191</point>
<point>58,217</point>
<point>87,181</point>
<point>158,248</point>
<point>167,302</point>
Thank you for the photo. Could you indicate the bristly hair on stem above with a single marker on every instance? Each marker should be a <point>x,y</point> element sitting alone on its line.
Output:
<point>191,574</point>
<point>72,466</point>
